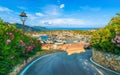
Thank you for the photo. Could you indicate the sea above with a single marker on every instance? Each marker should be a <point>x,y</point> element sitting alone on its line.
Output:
<point>44,38</point>
<point>71,28</point>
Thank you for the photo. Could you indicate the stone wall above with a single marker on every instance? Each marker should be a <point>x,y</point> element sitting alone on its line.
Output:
<point>108,60</point>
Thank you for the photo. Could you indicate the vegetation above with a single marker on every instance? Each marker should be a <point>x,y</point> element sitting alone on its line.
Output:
<point>32,28</point>
<point>108,38</point>
<point>82,32</point>
<point>15,47</point>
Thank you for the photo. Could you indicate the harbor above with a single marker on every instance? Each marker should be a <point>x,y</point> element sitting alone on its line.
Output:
<point>69,42</point>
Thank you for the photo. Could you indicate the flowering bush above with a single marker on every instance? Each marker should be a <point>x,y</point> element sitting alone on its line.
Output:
<point>15,47</point>
<point>116,40</point>
<point>108,38</point>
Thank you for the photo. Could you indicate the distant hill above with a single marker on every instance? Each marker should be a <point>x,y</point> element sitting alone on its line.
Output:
<point>33,28</point>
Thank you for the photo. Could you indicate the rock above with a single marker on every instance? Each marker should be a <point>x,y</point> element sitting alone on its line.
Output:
<point>111,61</point>
<point>118,58</point>
<point>13,73</point>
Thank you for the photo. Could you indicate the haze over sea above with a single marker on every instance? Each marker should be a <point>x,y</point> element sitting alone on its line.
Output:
<point>71,28</point>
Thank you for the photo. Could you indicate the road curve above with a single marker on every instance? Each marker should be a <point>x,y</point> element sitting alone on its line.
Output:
<point>63,64</point>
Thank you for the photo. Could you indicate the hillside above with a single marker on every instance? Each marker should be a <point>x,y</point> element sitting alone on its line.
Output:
<point>33,28</point>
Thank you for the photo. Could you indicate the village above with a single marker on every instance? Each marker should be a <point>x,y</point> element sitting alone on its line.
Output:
<point>69,42</point>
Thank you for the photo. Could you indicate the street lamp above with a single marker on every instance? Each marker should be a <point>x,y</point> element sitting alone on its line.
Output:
<point>23,19</point>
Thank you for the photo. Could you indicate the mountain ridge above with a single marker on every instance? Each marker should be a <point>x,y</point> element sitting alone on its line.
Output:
<point>31,28</point>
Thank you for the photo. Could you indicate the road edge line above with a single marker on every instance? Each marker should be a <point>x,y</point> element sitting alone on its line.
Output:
<point>104,67</point>
<point>28,66</point>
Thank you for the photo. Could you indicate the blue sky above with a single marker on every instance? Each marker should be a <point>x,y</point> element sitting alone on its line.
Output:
<point>60,13</point>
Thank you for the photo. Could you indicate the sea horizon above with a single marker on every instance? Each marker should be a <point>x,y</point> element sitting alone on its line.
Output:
<point>71,28</point>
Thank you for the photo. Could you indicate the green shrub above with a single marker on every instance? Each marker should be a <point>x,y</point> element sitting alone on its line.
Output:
<point>15,47</point>
<point>108,38</point>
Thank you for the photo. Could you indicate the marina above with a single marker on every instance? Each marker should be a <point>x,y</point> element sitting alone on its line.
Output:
<point>64,41</point>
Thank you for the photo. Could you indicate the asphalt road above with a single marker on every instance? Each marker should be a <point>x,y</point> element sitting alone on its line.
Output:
<point>63,64</point>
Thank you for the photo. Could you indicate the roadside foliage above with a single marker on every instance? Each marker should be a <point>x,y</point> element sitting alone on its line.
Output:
<point>108,38</point>
<point>15,47</point>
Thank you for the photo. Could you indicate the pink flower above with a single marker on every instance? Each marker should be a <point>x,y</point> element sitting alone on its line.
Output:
<point>118,41</point>
<point>29,48</point>
<point>8,41</point>
<point>117,33</point>
<point>7,33</point>
<point>118,45</point>
<point>16,31</point>
<point>12,57</point>
<point>31,41</point>
<point>113,41</point>
<point>22,43</point>
<point>117,38</point>
<point>11,35</point>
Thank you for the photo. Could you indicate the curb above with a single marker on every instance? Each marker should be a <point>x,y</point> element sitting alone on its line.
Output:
<point>27,67</point>
<point>104,67</point>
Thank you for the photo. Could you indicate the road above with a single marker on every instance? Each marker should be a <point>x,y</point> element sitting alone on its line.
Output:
<point>63,64</point>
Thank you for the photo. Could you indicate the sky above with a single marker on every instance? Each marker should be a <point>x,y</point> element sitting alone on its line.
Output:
<point>60,13</point>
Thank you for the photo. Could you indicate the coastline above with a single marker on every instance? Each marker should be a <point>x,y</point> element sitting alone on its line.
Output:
<point>71,28</point>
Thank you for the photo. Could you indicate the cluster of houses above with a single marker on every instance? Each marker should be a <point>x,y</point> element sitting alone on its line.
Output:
<point>62,40</point>
<point>65,38</point>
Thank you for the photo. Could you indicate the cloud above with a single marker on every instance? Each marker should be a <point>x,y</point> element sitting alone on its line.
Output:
<point>62,6</point>
<point>51,16</point>
<point>5,9</point>
<point>52,10</point>
<point>90,8</point>
<point>63,21</point>
<point>31,16</point>
<point>39,14</point>
<point>13,20</point>
<point>10,17</point>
